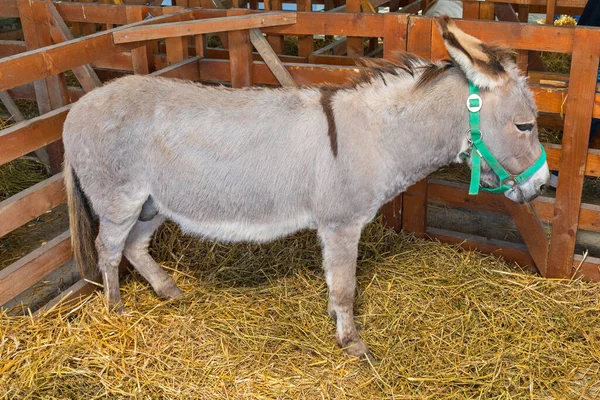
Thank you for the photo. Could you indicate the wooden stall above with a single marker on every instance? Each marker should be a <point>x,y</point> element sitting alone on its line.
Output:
<point>488,9</point>
<point>170,41</point>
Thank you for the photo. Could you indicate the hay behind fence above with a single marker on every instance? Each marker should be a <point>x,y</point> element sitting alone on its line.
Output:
<point>252,325</point>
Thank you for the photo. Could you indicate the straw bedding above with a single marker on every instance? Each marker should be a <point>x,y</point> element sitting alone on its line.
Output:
<point>441,323</point>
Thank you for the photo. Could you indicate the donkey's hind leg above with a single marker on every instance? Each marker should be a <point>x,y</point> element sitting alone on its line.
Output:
<point>340,249</point>
<point>109,244</point>
<point>136,251</point>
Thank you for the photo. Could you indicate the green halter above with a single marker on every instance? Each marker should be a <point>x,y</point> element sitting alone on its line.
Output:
<point>479,150</point>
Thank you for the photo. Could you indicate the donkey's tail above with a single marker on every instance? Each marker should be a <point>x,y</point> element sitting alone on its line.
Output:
<point>81,223</point>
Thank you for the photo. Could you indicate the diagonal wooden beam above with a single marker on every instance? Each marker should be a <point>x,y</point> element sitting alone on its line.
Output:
<point>12,108</point>
<point>270,58</point>
<point>60,33</point>
<point>530,227</point>
<point>198,27</point>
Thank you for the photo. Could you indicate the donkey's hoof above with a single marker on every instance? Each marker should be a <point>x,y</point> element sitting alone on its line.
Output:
<point>117,308</point>
<point>171,292</point>
<point>356,348</point>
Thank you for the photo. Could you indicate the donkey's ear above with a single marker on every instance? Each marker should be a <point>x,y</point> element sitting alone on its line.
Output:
<point>486,66</point>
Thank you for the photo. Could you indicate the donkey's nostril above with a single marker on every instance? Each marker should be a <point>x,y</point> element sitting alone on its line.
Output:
<point>543,188</point>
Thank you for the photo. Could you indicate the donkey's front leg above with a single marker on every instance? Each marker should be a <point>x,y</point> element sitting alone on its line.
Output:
<point>340,248</point>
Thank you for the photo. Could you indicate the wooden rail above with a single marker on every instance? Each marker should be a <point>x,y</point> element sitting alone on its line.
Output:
<point>134,47</point>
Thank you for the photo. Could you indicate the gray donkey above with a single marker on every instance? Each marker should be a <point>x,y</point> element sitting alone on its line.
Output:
<point>257,164</point>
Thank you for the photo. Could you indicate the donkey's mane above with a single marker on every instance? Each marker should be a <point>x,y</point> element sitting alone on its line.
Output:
<point>377,68</point>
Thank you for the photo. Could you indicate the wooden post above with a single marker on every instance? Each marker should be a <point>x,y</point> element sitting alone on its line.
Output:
<point>523,10</point>
<point>354,44</point>
<point>240,55</point>
<point>394,39</point>
<point>141,57</point>
<point>51,93</point>
<point>486,11</point>
<point>200,45</point>
<point>276,41</point>
<point>523,60</point>
<point>550,11</point>
<point>305,43</point>
<point>414,207</point>
<point>579,108</point>
<point>177,49</point>
<point>470,9</point>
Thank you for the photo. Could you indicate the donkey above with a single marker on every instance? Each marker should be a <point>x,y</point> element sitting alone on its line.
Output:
<point>257,164</point>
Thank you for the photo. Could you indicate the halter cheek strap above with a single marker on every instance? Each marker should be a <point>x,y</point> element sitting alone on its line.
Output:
<point>479,150</point>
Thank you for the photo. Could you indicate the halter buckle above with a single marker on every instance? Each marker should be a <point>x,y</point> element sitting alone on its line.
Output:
<point>474,102</point>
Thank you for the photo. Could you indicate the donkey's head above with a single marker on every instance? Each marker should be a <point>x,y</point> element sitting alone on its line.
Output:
<point>505,142</point>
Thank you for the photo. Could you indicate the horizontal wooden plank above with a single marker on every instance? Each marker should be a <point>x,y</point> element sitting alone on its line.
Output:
<point>8,9</point>
<point>303,74</point>
<point>549,99</point>
<point>27,92</point>
<point>453,194</point>
<point>30,269</point>
<point>561,3</point>
<point>31,203</point>
<point>334,60</point>
<point>538,9</point>
<point>514,35</point>
<point>588,269</point>
<point>589,214</point>
<point>11,47</point>
<point>123,62</point>
<point>92,13</point>
<point>592,167</point>
<point>51,60</point>
<point>29,135</point>
<point>511,252</point>
<point>74,293</point>
<point>105,13</point>
<point>339,24</point>
<point>198,27</point>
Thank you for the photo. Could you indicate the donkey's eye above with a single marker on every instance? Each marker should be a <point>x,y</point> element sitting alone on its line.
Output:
<point>524,127</point>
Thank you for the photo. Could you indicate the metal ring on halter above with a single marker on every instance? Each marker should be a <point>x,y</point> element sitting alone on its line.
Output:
<point>510,181</point>
<point>476,108</point>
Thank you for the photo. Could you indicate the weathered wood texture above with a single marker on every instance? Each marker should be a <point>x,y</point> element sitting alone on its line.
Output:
<point>27,271</point>
<point>270,57</point>
<point>224,24</point>
<point>579,109</point>
<point>31,203</point>
<point>414,207</point>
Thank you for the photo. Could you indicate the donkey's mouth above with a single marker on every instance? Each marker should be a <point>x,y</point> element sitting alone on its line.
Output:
<point>489,180</point>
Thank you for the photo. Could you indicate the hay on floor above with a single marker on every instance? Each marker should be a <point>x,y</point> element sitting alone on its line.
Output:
<point>441,323</point>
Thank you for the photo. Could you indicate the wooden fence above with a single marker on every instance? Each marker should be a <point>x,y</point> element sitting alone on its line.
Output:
<point>129,48</point>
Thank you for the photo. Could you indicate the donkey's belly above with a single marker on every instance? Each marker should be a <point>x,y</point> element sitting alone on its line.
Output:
<point>244,231</point>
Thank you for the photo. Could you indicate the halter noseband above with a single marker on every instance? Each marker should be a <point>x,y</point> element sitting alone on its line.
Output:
<point>479,150</point>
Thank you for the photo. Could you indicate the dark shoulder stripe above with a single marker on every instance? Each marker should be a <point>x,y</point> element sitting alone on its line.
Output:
<point>326,97</point>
